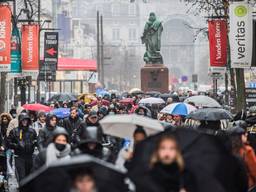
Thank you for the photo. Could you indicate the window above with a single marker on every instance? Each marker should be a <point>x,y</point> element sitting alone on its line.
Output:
<point>115,10</point>
<point>132,34</point>
<point>132,9</point>
<point>115,34</point>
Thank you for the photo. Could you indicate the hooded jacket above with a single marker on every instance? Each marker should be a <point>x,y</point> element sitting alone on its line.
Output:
<point>22,139</point>
<point>71,124</point>
<point>15,122</point>
<point>46,134</point>
<point>2,126</point>
<point>88,135</point>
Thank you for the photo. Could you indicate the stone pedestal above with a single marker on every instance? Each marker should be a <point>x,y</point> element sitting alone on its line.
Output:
<point>155,77</point>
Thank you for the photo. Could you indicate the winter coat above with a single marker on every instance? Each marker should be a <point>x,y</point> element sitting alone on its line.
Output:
<point>15,122</point>
<point>38,126</point>
<point>2,126</point>
<point>71,124</point>
<point>79,131</point>
<point>100,152</point>
<point>248,155</point>
<point>51,154</point>
<point>161,178</point>
<point>45,136</point>
<point>22,141</point>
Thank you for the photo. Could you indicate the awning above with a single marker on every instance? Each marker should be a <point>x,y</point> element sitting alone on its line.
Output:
<point>71,64</point>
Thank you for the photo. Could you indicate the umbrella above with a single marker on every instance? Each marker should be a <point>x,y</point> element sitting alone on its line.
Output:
<point>103,101</point>
<point>152,100</point>
<point>127,101</point>
<point>165,96</point>
<point>37,107</point>
<point>202,101</point>
<point>61,97</point>
<point>123,126</point>
<point>136,91</point>
<point>61,113</point>
<point>210,166</point>
<point>57,177</point>
<point>153,93</point>
<point>178,109</point>
<point>210,114</point>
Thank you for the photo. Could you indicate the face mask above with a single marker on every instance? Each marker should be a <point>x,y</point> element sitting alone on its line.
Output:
<point>60,147</point>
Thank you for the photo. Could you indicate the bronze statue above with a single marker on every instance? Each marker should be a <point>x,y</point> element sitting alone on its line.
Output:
<point>152,40</point>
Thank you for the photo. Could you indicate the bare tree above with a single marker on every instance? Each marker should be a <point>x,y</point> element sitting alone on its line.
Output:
<point>219,8</point>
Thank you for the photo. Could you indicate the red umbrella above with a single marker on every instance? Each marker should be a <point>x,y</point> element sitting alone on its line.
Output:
<point>104,102</point>
<point>37,107</point>
<point>127,101</point>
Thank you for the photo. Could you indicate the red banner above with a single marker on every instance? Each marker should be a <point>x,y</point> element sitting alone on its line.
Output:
<point>218,42</point>
<point>5,37</point>
<point>29,48</point>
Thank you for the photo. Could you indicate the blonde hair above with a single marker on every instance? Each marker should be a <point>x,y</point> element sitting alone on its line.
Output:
<point>179,158</point>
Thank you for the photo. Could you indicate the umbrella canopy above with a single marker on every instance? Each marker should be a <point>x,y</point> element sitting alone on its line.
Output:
<point>87,98</point>
<point>203,101</point>
<point>210,114</point>
<point>127,101</point>
<point>136,91</point>
<point>182,109</point>
<point>165,96</point>
<point>57,177</point>
<point>123,126</point>
<point>37,107</point>
<point>103,101</point>
<point>209,164</point>
<point>153,93</point>
<point>152,100</point>
<point>61,97</point>
<point>61,113</point>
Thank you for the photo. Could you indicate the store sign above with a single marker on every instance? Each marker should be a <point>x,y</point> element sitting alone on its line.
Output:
<point>218,42</point>
<point>5,38</point>
<point>241,33</point>
<point>15,51</point>
<point>29,50</point>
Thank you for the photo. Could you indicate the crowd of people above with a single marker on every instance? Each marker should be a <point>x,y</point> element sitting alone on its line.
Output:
<point>164,162</point>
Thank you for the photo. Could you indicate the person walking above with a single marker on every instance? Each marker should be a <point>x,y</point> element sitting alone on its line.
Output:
<point>245,152</point>
<point>5,119</point>
<point>46,134</point>
<point>57,150</point>
<point>72,122</point>
<point>40,123</point>
<point>22,140</point>
<point>166,168</point>
<point>15,122</point>
<point>90,143</point>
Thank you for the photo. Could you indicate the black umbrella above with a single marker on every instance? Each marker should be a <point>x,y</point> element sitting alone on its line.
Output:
<point>210,114</point>
<point>61,97</point>
<point>209,165</point>
<point>165,96</point>
<point>58,176</point>
<point>153,93</point>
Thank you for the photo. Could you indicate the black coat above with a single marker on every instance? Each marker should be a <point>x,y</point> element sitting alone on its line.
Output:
<point>39,160</point>
<point>79,131</point>
<point>161,178</point>
<point>71,124</point>
<point>22,141</point>
<point>45,137</point>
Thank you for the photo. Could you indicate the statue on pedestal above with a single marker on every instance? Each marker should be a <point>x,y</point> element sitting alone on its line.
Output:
<point>152,40</point>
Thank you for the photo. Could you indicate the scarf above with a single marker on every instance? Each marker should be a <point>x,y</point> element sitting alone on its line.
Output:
<point>52,154</point>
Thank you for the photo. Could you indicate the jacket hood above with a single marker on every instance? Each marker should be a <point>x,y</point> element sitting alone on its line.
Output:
<point>91,134</point>
<point>48,118</point>
<point>9,117</point>
<point>23,116</point>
